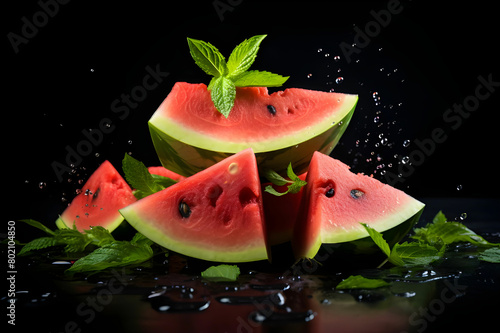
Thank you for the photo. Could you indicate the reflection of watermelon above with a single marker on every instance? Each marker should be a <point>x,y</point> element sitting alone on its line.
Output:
<point>214,215</point>
<point>97,205</point>
<point>189,134</point>
<point>336,200</point>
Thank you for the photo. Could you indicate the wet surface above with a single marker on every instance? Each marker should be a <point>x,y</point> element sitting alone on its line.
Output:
<point>168,295</point>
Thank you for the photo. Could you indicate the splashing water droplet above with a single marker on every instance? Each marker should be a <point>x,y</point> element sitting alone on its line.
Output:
<point>376,119</point>
<point>463,216</point>
<point>406,143</point>
<point>405,160</point>
<point>309,75</point>
<point>320,50</point>
<point>336,58</point>
<point>129,142</point>
<point>459,187</point>
<point>339,80</point>
<point>42,185</point>
<point>327,55</point>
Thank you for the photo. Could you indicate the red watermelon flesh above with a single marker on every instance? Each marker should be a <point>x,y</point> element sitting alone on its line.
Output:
<point>281,212</point>
<point>161,171</point>
<point>214,215</point>
<point>98,202</point>
<point>336,200</point>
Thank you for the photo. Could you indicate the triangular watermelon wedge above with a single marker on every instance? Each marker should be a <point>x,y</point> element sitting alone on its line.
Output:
<point>214,215</point>
<point>335,202</point>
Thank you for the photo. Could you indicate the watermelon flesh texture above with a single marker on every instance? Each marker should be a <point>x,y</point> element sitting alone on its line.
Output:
<point>98,202</point>
<point>281,212</point>
<point>215,215</point>
<point>189,134</point>
<point>162,171</point>
<point>336,200</point>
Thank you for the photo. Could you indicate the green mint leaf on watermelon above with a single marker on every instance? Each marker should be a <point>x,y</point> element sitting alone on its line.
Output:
<point>294,182</point>
<point>491,255</point>
<point>244,55</point>
<point>360,282</point>
<point>141,180</point>
<point>115,254</point>
<point>221,273</point>
<point>440,231</point>
<point>223,94</point>
<point>234,73</point>
<point>207,57</point>
<point>260,79</point>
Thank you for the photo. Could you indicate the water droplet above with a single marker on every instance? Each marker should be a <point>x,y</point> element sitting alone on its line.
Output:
<point>336,58</point>
<point>405,160</point>
<point>320,50</point>
<point>309,75</point>
<point>92,70</point>
<point>463,216</point>
<point>233,168</point>
<point>97,155</point>
<point>129,142</point>
<point>406,143</point>
<point>327,55</point>
<point>376,119</point>
<point>339,80</point>
<point>42,185</point>
<point>459,187</point>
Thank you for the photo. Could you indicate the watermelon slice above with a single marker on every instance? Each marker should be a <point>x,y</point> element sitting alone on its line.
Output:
<point>161,171</point>
<point>189,134</point>
<point>98,202</point>
<point>336,200</point>
<point>215,215</point>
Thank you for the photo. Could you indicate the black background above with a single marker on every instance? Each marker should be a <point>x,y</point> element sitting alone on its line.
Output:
<point>65,78</point>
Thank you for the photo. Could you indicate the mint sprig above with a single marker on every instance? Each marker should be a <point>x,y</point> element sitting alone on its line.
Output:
<point>233,73</point>
<point>294,183</point>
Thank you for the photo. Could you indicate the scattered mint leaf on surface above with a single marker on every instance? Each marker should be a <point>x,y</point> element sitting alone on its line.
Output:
<point>234,73</point>
<point>38,225</point>
<point>294,182</point>
<point>413,254</point>
<point>491,255</point>
<point>441,231</point>
<point>221,273</point>
<point>360,282</point>
<point>115,254</point>
<point>141,180</point>
<point>38,244</point>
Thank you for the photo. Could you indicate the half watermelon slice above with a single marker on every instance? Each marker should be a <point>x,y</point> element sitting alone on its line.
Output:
<point>215,215</point>
<point>98,202</point>
<point>335,202</point>
<point>189,134</point>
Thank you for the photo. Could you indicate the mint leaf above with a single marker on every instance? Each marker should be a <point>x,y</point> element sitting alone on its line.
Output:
<point>491,255</point>
<point>207,57</point>
<point>141,180</point>
<point>260,79</point>
<point>360,282</point>
<point>38,225</point>
<point>38,244</point>
<point>244,55</point>
<point>413,254</point>
<point>234,73</point>
<point>99,236</point>
<point>378,239</point>
<point>295,183</point>
<point>75,240</point>
<point>115,254</point>
<point>223,95</point>
<point>441,231</point>
<point>221,273</point>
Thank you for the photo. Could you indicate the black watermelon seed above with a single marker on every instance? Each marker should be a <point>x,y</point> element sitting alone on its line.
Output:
<point>271,109</point>
<point>356,194</point>
<point>184,209</point>
<point>330,193</point>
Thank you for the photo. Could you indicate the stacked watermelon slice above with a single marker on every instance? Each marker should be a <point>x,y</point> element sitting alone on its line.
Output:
<point>218,210</point>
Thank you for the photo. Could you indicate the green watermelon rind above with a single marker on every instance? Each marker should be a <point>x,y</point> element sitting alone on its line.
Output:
<point>109,225</point>
<point>196,152</point>
<point>358,241</point>
<point>139,223</point>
